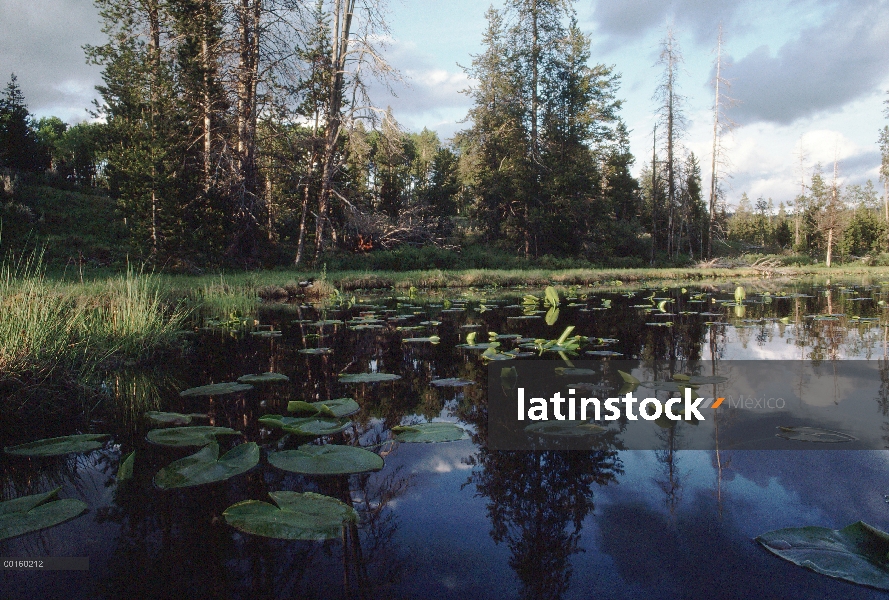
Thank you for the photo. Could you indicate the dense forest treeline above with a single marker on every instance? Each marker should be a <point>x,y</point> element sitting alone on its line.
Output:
<point>242,132</point>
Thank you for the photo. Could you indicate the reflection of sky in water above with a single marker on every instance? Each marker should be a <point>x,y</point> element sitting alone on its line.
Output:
<point>771,341</point>
<point>633,545</point>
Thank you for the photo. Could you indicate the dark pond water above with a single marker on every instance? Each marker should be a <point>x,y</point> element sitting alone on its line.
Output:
<point>455,520</point>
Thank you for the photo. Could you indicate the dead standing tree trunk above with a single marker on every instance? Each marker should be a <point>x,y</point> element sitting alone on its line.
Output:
<point>342,27</point>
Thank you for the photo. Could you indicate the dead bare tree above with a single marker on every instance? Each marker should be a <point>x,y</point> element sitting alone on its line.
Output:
<point>353,49</point>
<point>722,125</point>
<point>671,115</point>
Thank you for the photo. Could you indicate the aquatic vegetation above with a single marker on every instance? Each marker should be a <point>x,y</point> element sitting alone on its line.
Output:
<point>200,435</point>
<point>125,469</point>
<point>206,466</point>
<point>429,433</point>
<point>857,553</point>
<point>263,378</point>
<point>33,513</point>
<point>60,445</point>
<point>216,389</point>
<point>335,408</point>
<point>327,459</point>
<point>451,382</point>
<point>170,418</point>
<point>813,434</point>
<point>306,426</point>
<point>368,377</point>
<point>294,516</point>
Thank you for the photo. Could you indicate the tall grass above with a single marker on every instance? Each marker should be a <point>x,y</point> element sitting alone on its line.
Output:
<point>46,324</point>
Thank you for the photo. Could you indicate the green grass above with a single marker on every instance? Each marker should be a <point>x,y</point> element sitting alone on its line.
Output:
<point>46,325</point>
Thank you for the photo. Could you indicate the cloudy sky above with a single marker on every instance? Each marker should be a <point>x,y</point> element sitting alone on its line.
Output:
<point>807,73</point>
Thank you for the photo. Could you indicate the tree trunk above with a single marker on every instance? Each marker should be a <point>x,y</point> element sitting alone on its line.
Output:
<point>342,24</point>
<point>713,183</point>
<point>207,108</point>
<point>654,193</point>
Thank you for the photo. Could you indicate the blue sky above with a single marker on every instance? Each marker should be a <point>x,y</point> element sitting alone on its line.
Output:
<point>807,72</point>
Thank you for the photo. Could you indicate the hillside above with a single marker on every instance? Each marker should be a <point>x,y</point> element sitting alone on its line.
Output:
<point>75,228</point>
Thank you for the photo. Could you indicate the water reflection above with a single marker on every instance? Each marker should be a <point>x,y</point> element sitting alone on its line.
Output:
<point>665,524</point>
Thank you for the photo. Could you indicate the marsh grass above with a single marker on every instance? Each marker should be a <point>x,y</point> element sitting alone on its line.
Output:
<point>46,325</point>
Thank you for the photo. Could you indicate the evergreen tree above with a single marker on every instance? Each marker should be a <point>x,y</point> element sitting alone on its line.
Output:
<point>18,142</point>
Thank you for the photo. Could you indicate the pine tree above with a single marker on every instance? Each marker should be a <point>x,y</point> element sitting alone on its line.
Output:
<point>18,142</point>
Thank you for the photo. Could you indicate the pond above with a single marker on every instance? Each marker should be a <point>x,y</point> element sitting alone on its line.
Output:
<point>453,519</point>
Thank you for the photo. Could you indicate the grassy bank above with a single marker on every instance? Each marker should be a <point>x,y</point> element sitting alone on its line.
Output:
<point>47,325</point>
<point>281,284</point>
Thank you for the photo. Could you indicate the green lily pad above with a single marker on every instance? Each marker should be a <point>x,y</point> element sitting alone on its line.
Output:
<point>568,372</point>
<point>813,434</point>
<point>60,445</point>
<point>336,408</point>
<point>368,377</point>
<point>452,382</point>
<point>569,429</point>
<point>434,339</point>
<point>479,346</point>
<point>857,553</point>
<point>263,378</point>
<point>205,466</point>
<point>125,470</point>
<point>32,513</point>
<point>297,516</point>
<point>327,322</point>
<point>266,334</point>
<point>168,418</point>
<point>307,426</point>
<point>429,432</point>
<point>628,378</point>
<point>187,436</point>
<point>315,351</point>
<point>329,459</point>
<point>217,389</point>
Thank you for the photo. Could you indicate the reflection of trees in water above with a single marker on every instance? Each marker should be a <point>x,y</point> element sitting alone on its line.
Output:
<point>176,544</point>
<point>537,504</point>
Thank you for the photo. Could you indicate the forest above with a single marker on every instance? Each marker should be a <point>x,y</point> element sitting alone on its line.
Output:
<point>245,133</point>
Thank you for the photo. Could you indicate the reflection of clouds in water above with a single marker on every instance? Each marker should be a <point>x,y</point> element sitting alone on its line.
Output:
<point>697,552</point>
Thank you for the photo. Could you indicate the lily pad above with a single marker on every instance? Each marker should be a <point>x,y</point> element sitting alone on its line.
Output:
<point>205,466</point>
<point>429,432</point>
<point>263,378</point>
<point>336,408</point>
<point>297,516</point>
<point>329,459</point>
<point>60,445</point>
<point>857,553</point>
<point>168,418</point>
<point>125,470</point>
<point>452,382</point>
<point>217,389</point>
<point>569,372</point>
<point>32,513</point>
<point>187,436</point>
<point>316,351</point>
<point>569,429</point>
<point>628,378</point>
<point>307,426</point>
<point>813,434</point>
<point>368,377</point>
<point>419,340</point>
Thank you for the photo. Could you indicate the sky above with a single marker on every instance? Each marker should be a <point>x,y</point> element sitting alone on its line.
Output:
<point>807,74</point>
